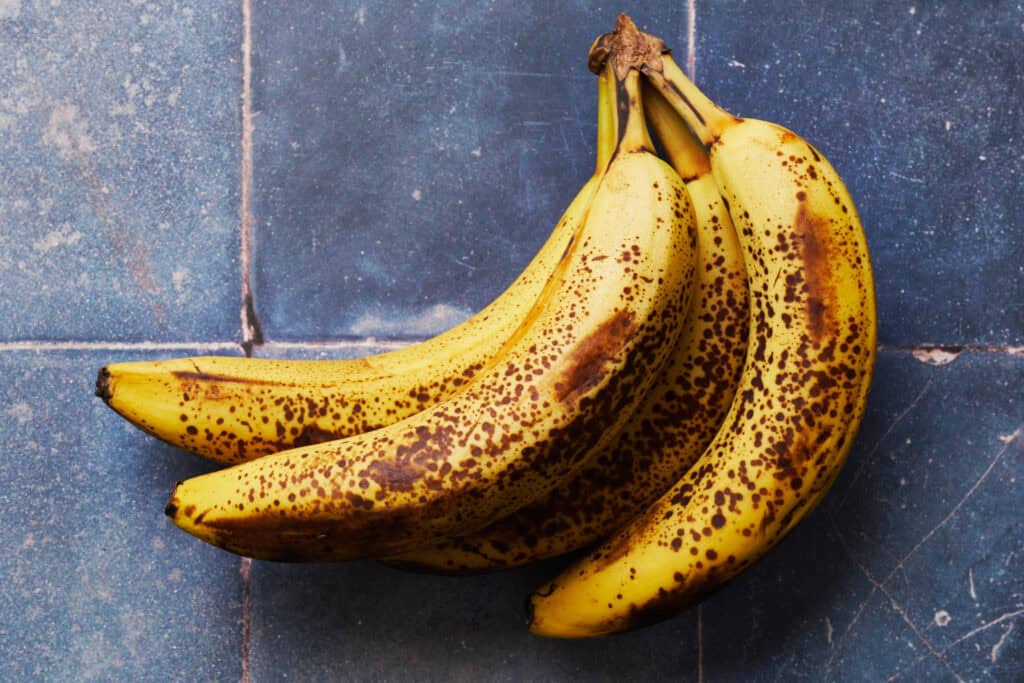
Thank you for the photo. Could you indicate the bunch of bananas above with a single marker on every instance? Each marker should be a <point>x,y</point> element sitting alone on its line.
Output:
<point>673,383</point>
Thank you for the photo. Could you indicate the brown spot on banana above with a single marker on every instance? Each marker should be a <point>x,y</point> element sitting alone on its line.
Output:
<point>593,357</point>
<point>812,233</point>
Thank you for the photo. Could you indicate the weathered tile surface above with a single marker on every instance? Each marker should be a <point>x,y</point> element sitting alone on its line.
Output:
<point>918,105</point>
<point>856,593</point>
<point>410,159</point>
<point>98,585</point>
<point>120,131</point>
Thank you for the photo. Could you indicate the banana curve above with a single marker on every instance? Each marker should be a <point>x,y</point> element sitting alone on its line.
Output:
<point>234,409</point>
<point>590,352</point>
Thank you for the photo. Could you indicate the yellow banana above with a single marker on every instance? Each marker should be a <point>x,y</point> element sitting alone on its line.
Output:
<point>237,409</point>
<point>569,376</point>
<point>800,401</point>
<point>674,422</point>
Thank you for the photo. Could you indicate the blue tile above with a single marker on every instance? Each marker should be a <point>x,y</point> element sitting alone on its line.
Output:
<point>825,605</point>
<point>98,585</point>
<point>333,351</point>
<point>918,106</point>
<point>119,186</point>
<point>409,160</point>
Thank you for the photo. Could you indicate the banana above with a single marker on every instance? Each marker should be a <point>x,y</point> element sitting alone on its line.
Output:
<point>236,409</point>
<point>674,422</point>
<point>563,385</point>
<point>800,400</point>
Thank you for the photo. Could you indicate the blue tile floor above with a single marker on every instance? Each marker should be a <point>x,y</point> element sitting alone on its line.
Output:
<point>403,165</point>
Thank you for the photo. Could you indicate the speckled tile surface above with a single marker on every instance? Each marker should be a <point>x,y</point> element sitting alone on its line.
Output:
<point>119,180</point>
<point>413,158</point>
<point>405,163</point>
<point>96,584</point>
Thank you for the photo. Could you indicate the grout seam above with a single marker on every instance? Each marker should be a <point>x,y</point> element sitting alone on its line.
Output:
<point>251,331</point>
<point>245,569</point>
<point>37,345</point>
<point>691,39</point>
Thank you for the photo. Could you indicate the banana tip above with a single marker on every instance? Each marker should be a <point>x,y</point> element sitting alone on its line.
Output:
<point>103,385</point>
<point>171,509</point>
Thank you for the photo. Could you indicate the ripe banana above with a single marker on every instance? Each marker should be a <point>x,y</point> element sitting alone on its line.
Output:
<point>674,422</point>
<point>800,401</point>
<point>563,385</point>
<point>236,409</point>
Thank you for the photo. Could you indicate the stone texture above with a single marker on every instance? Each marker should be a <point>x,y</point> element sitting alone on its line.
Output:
<point>119,183</point>
<point>98,584</point>
<point>410,159</point>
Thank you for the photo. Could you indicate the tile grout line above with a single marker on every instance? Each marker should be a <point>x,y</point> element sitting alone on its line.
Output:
<point>251,332</point>
<point>691,39</point>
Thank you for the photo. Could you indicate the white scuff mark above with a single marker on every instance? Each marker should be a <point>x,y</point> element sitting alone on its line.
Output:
<point>970,584</point>
<point>935,356</point>
<point>417,194</point>
<point>173,95</point>
<point>6,121</point>
<point>909,179</point>
<point>949,124</point>
<point>477,152</point>
<point>179,279</point>
<point>10,9</point>
<point>830,631</point>
<point>1008,438</point>
<point>57,238</point>
<point>20,411</point>
<point>360,15</point>
<point>343,61</point>
<point>913,10</point>
<point>67,132</point>
<point>942,618</point>
<point>737,64</point>
<point>994,654</point>
<point>436,319</point>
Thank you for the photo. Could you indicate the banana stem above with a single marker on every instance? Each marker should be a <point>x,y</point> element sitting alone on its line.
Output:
<point>705,118</point>
<point>682,147</point>
<point>607,125</point>
<point>634,136</point>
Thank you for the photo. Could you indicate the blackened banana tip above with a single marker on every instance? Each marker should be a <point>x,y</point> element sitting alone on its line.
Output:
<point>103,385</point>
<point>171,510</point>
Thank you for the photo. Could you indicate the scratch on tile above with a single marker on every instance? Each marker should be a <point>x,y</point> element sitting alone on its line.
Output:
<point>970,584</point>
<point>994,653</point>
<point>865,460</point>
<point>956,508</point>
